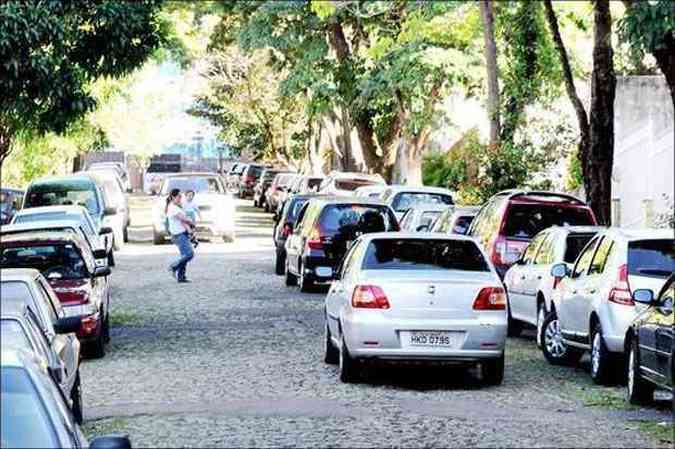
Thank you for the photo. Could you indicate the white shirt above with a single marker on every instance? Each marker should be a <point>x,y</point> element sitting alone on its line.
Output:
<point>175,225</point>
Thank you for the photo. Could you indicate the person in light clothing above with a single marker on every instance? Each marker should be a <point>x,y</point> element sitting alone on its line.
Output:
<point>179,225</point>
<point>192,211</point>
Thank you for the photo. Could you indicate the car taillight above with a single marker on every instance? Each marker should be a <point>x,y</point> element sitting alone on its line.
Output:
<point>620,292</point>
<point>490,298</point>
<point>314,240</point>
<point>369,297</point>
<point>286,230</point>
<point>505,252</point>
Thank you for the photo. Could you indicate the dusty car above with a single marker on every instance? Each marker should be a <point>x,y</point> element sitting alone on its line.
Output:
<point>455,220</point>
<point>421,218</point>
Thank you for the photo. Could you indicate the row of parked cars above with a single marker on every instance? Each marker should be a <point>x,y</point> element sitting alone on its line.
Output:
<point>414,277</point>
<point>56,255</point>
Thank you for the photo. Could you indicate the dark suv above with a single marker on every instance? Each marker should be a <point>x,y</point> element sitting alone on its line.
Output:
<point>325,229</point>
<point>508,221</point>
<point>248,179</point>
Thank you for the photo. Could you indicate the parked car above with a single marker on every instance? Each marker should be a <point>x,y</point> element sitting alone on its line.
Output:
<point>160,167</point>
<point>28,287</point>
<point>529,283</point>
<point>593,301</point>
<point>262,185</point>
<point>115,197</point>
<point>455,220</point>
<point>10,203</point>
<point>100,237</point>
<point>421,218</point>
<point>416,297</point>
<point>216,207</point>
<point>308,184</point>
<point>232,179</point>
<point>67,263</point>
<point>508,221</point>
<point>34,410</point>
<point>248,179</point>
<point>274,195</point>
<point>373,191</point>
<point>649,344</point>
<point>345,183</point>
<point>326,228</point>
<point>75,190</point>
<point>284,227</point>
<point>115,167</point>
<point>402,198</point>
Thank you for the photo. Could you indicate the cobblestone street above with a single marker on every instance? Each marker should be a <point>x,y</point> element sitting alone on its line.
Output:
<point>235,359</point>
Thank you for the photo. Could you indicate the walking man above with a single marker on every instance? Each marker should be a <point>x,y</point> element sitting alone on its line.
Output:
<point>179,226</point>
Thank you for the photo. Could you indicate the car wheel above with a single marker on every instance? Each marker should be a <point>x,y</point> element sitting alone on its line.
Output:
<point>111,259</point>
<point>228,238</point>
<point>280,261</point>
<point>493,371</point>
<point>96,349</point>
<point>125,234</point>
<point>638,390</point>
<point>76,398</point>
<point>350,369</point>
<point>554,348</point>
<point>330,353</point>
<point>157,238</point>
<point>267,207</point>
<point>600,357</point>
<point>106,328</point>
<point>291,279</point>
<point>541,316</point>
<point>306,285</point>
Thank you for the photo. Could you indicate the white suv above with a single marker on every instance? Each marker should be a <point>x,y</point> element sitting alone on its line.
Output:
<point>593,302</point>
<point>345,183</point>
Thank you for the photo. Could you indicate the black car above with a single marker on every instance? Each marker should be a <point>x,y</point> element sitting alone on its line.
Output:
<point>264,182</point>
<point>649,343</point>
<point>284,228</point>
<point>248,179</point>
<point>326,227</point>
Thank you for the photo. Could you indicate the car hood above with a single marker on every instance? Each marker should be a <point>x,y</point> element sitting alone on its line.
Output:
<point>71,291</point>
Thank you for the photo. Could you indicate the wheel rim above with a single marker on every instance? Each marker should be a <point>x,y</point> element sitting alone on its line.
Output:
<point>553,339</point>
<point>631,373</point>
<point>595,354</point>
<point>540,323</point>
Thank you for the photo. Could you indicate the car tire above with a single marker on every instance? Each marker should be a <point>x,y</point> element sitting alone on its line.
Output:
<point>291,279</point>
<point>76,398</point>
<point>638,390</point>
<point>350,369</point>
<point>106,328</point>
<point>306,285</point>
<point>601,360</point>
<point>228,238</point>
<point>492,371</point>
<point>111,259</point>
<point>157,238</point>
<point>280,261</point>
<point>555,350</point>
<point>331,354</point>
<point>96,349</point>
<point>267,208</point>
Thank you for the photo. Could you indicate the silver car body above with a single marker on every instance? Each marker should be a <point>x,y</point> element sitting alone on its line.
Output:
<point>114,196</point>
<point>421,301</point>
<point>331,185</point>
<point>422,215</point>
<point>582,297</point>
<point>391,197</point>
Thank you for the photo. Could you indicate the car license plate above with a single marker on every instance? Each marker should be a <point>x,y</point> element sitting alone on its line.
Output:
<point>324,272</point>
<point>443,339</point>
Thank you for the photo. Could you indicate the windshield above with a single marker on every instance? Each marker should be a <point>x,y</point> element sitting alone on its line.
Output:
<point>524,221</point>
<point>25,422</point>
<point>314,183</point>
<point>164,168</point>
<point>352,184</point>
<point>424,254</point>
<point>208,185</point>
<point>653,258</point>
<point>269,175</point>
<point>405,200</point>
<point>61,261</point>
<point>81,194</point>
<point>12,335</point>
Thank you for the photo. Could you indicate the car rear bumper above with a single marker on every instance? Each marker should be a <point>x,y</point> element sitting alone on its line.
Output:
<point>318,269</point>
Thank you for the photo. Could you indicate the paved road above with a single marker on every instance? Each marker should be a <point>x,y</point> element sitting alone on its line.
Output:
<point>235,359</point>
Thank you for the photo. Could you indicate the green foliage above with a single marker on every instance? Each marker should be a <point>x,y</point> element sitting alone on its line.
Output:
<point>647,25</point>
<point>575,177</point>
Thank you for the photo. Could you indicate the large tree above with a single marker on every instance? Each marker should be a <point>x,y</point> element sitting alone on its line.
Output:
<point>50,52</point>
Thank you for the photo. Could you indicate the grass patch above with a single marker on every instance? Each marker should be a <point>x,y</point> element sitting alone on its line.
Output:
<point>662,432</point>
<point>125,318</point>
<point>607,397</point>
<point>105,426</point>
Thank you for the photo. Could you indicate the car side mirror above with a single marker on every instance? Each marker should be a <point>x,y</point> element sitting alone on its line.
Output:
<point>559,270</point>
<point>643,296</point>
<point>67,325</point>
<point>110,442</point>
<point>100,254</point>
<point>422,228</point>
<point>102,271</point>
<point>105,230</point>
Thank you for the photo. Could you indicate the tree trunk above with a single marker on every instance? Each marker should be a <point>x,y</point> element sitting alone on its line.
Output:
<point>5,141</point>
<point>603,90</point>
<point>486,9</point>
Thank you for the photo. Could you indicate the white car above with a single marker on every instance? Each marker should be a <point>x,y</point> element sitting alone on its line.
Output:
<point>114,196</point>
<point>402,198</point>
<point>421,218</point>
<point>593,302</point>
<point>455,220</point>
<point>345,183</point>
<point>370,191</point>
<point>216,207</point>
<point>416,297</point>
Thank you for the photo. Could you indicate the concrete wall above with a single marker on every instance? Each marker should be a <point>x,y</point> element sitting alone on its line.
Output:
<point>642,179</point>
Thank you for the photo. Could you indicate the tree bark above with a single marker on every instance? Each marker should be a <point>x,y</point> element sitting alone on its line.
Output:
<point>486,9</point>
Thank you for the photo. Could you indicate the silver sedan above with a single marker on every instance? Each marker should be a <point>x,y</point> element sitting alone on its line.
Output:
<point>401,296</point>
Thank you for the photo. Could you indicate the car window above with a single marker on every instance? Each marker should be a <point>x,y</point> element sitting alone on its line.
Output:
<point>523,221</point>
<point>574,243</point>
<point>462,224</point>
<point>66,193</point>
<point>428,218</point>
<point>406,220</point>
<point>314,183</point>
<point>405,200</point>
<point>349,258</point>
<point>601,256</point>
<point>546,253</point>
<point>667,298</point>
<point>340,218</point>
<point>306,218</point>
<point>62,260</point>
<point>443,222</point>
<point>38,337</point>
<point>424,254</point>
<point>652,258</point>
<point>584,260</point>
<point>352,184</point>
<point>531,250</point>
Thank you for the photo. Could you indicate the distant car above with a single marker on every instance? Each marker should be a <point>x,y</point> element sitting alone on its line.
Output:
<point>308,184</point>
<point>402,198</point>
<point>649,344</point>
<point>232,177</point>
<point>248,179</point>
<point>10,203</point>
<point>67,263</point>
<point>455,220</point>
<point>34,410</point>
<point>284,228</point>
<point>216,207</point>
<point>373,191</point>
<point>529,283</point>
<point>345,183</point>
<point>421,218</point>
<point>284,193</point>
<point>326,228</point>
<point>262,185</point>
<point>274,195</point>
<point>115,197</point>
<point>158,170</point>
<point>508,221</point>
<point>116,167</point>
<point>416,297</point>
<point>593,301</point>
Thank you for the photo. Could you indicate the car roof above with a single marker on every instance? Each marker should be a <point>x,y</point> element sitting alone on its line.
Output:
<point>11,190</point>
<point>45,237</point>
<point>13,309</point>
<point>430,207</point>
<point>354,175</point>
<point>416,236</point>
<point>539,197</point>
<point>14,358</point>
<point>631,234</point>
<point>18,274</point>
<point>465,210</point>
<point>579,229</point>
<point>191,174</point>
<point>419,189</point>
<point>56,208</point>
<point>42,225</point>
<point>335,199</point>
<point>78,178</point>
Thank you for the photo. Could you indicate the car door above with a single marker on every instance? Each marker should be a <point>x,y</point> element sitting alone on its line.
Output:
<point>517,279</point>
<point>336,294</point>
<point>659,323</point>
<point>591,288</point>
<point>44,347</point>
<point>534,275</point>
<point>293,247</point>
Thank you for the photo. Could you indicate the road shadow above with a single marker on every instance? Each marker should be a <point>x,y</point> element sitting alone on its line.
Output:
<point>422,376</point>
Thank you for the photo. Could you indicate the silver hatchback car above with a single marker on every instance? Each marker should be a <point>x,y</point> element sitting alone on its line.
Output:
<point>423,297</point>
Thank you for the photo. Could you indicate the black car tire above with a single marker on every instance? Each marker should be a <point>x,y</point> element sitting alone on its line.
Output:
<point>601,360</point>
<point>291,279</point>
<point>638,390</point>
<point>280,261</point>
<point>331,354</point>
<point>306,285</point>
<point>350,369</point>
<point>76,398</point>
<point>111,259</point>
<point>106,328</point>
<point>493,371</point>
<point>228,238</point>
<point>267,207</point>
<point>96,349</point>
<point>556,352</point>
<point>157,238</point>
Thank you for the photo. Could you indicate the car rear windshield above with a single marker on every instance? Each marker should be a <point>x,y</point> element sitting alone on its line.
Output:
<point>575,243</point>
<point>209,185</point>
<point>62,261</point>
<point>524,221</point>
<point>254,170</point>
<point>429,217</point>
<point>314,183</point>
<point>349,218</point>
<point>653,258</point>
<point>424,254</point>
<point>352,184</point>
<point>75,193</point>
<point>13,336</point>
<point>405,200</point>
